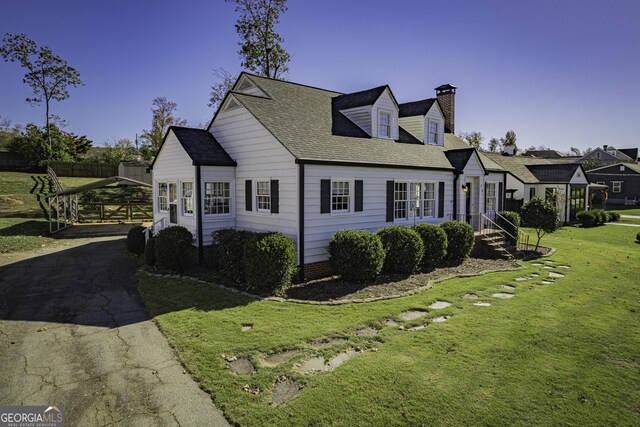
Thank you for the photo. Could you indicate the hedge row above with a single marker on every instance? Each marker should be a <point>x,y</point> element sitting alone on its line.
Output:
<point>359,256</point>
<point>596,217</point>
<point>169,250</point>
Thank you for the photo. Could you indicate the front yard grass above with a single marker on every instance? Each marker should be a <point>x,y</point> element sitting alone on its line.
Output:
<point>560,353</point>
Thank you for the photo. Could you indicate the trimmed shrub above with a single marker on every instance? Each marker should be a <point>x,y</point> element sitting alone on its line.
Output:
<point>614,216</point>
<point>173,247</point>
<point>356,255</point>
<point>150,252</point>
<point>135,239</point>
<point>638,237</point>
<point>460,239</point>
<point>434,240</point>
<point>599,216</point>
<point>586,218</point>
<point>403,248</point>
<point>269,262</point>
<point>510,222</point>
<point>228,249</point>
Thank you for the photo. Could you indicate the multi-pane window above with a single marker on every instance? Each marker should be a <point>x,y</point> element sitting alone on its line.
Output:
<point>414,200</point>
<point>340,196</point>
<point>532,193</point>
<point>616,186</point>
<point>384,125</point>
<point>187,198</point>
<point>217,198</point>
<point>433,132</point>
<point>429,199</point>
<point>162,197</point>
<point>263,196</point>
<point>491,197</point>
<point>550,195</point>
<point>173,194</point>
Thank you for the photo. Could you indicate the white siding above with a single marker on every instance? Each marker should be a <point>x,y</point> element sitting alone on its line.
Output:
<point>173,164</point>
<point>474,174</point>
<point>414,125</point>
<point>522,191</point>
<point>246,85</point>
<point>320,227</point>
<point>579,178</point>
<point>434,115</point>
<point>385,103</point>
<point>210,223</point>
<point>360,116</point>
<point>259,156</point>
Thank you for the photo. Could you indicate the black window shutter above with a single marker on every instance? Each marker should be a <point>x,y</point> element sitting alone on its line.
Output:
<point>390,197</point>
<point>359,195</point>
<point>485,197</point>
<point>500,196</point>
<point>440,199</point>
<point>325,196</point>
<point>275,196</point>
<point>248,195</point>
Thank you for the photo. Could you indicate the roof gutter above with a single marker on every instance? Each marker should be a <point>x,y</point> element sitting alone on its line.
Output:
<point>369,165</point>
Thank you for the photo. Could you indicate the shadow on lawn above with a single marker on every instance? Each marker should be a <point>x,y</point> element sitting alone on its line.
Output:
<point>26,228</point>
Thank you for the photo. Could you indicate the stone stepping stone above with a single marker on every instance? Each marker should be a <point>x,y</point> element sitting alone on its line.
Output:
<point>241,366</point>
<point>412,315</point>
<point>482,304</point>
<point>284,390</point>
<point>549,262</point>
<point>315,364</point>
<point>555,275</point>
<point>439,305</point>
<point>441,319</point>
<point>247,327</point>
<point>319,364</point>
<point>469,296</point>
<point>537,264</point>
<point>502,295</point>
<point>546,282</point>
<point>275,359</point>
<point>508,287</point>
<point>329,342</point>
<point>535,274</point>
<point>563,266</point>
<point>390,322</point>
<point>416,328</point>
<point>548,267</point>
<point>520,279</point>
<point>366,332</point>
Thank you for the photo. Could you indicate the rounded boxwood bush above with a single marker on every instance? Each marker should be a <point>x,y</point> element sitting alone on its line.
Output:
<point>135,239</point>
<point>228,249</point>
<point>356,255</point>
<point>460,239</point>
<point>173,247</point>
<point>510,222</point>
<point>269,262</point>
<point>614,216</point>
<point>599,216</point>
<point>586,218</point>
<point>150,252</point>
<point>403,248</point>
<point>434,240</point>
<point>638,237</point>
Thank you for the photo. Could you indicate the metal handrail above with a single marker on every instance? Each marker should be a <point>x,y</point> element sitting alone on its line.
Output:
<point>151,228</point>
<point>522,242</point>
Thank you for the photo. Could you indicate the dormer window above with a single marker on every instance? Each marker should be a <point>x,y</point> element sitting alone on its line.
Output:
<point>384,125</point>
<point>433,132</point>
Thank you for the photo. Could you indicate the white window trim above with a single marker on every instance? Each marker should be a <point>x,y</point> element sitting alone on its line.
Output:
<point>613,186</point>
<point>160,210</point>
<point>421,217</point>
<point>255,196</point>
<point>349,210</point>
<point>438,123</point>
<point>495,197</point>
<point>390,113</point>
<point>601,183</point>
<point>182,198</point>
<point>231,198</point>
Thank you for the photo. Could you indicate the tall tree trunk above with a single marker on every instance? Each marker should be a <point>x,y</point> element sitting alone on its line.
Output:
<point>48,127</point>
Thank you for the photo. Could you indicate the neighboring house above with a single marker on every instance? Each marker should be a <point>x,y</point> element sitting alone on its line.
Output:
<point>308,162</point>
<point>623,180</point>
<point>565,184</point>
<point>608,154</point>
<point>545,154</point>
<point>136,170</point>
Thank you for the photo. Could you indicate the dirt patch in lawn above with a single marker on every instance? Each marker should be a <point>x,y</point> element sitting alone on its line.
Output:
<point>388,285</point>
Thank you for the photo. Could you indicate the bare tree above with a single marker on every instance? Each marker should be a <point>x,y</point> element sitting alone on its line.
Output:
<point>162,117</point>
<point>473,138</point>
<point>222,85</point>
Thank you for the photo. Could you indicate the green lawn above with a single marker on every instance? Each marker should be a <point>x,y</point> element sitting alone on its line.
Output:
<point>563,353</point>
<point>625,210</point>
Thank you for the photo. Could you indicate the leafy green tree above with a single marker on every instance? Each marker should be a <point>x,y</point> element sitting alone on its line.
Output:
<point>493,144</point>
<point>121,150</point>
<point>260,45</point>
<point>223,83</point>
<point>575,151</point>
<point>48,75</point>
<point>8,133</point>
<point>473,138</point>
<point>509,141</point>
<point>592,164</point>
<point>162,117</point>
<point>541,216</point>
<point>37,145</point>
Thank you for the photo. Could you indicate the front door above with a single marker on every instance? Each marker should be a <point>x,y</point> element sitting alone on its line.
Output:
<point>577,200</point>
<point>467,204</point>
<point>173,203</point>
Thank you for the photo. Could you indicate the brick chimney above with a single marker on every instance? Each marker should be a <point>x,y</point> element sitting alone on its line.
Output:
<point>446,95</point>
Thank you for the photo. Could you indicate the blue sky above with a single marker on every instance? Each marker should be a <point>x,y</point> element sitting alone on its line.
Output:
<point>559,73</point>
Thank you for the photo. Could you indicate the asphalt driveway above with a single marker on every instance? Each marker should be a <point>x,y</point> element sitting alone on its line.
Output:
<point>74,332</point>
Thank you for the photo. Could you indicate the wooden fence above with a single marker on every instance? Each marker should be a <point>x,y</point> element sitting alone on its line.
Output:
<point>89,170</point>
<point>115,211</point>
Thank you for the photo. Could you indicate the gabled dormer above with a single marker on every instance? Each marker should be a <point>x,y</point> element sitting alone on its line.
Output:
<point>424,120</point>
<point>375,111</point>
<point>246,85</point>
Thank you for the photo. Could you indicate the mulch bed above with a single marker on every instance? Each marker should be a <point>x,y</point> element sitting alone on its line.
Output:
<point>390,284</point>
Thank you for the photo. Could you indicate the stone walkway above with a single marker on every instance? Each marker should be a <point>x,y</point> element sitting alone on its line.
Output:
<point>74,332</point>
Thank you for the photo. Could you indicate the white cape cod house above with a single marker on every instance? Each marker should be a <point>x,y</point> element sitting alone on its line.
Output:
<point>307,162</point>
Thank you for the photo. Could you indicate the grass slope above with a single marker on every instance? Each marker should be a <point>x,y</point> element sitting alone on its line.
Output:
<point>564,353</point>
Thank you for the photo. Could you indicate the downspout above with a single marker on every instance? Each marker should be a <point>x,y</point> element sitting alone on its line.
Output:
<point>456,175</point>
<point>567,212</point>
<point>504,192</point>
<point>301,219</point>
<point>199,219</point>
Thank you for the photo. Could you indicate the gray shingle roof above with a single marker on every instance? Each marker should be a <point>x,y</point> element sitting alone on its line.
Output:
<point>302,119</point>
<point>202,147</point>
<point>416,108</point>
<point>358,99</point>
<point>452,142</point>
<point>459,158</point>
<point>554,173</point>
<point>532,170</point>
